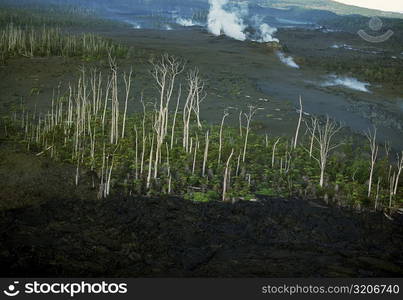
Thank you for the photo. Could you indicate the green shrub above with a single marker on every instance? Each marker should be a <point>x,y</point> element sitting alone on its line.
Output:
<point>202,197</point>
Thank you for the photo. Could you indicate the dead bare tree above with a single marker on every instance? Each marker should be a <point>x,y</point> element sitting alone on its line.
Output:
<point>226,114</point>
<point>252,111</point>
<point>164,73</point>
<point>371,136</point>
<point>205,153</point>
<point>299,123</point>
<point>175,115</point>
<point>150,162</point>
<point>144,139</point>
<point>114,135</point>
<point>313,131</point>
<point>399,171</point>
<point>200,96</point>
<point>128,80</point>
<point>240,124</point>
<point>323,139</point>
<point>392,181</point>
<point>194,98</point>
<point>137,151</point>
<point>106,173</point>
<point>274,152</point>
<point>168,170</point>
<point>226,172</point>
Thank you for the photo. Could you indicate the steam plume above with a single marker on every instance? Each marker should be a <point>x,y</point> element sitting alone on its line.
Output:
<point>267,33</point>
<point>289,61</point>
<point>187,22</point>
<point>225,22</point>
<point>348,82</point>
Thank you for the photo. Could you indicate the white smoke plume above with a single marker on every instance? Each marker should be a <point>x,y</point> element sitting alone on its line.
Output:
<point>289,61</point>
<point>167,27</point>
<point>221,21</point>
<point>267,33</point>
<point>187,22</point>
<point>135,25</point>
<point>349,82</point>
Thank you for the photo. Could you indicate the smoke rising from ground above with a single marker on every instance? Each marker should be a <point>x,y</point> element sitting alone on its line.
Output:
<point>220,21</point>
<point>288,60</point>
<point>349,82</point>
<point>232,20</point>
<point>186,22</point>
<point>167,27</point>
<point>134,25</point>
<point>267,33</point>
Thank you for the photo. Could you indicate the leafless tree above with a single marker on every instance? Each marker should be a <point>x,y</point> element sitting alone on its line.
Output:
<point>197,144</point>
<point>392,181</point>
<point>227,166</point>
<point>226,114</point>
<point>240,123</point>
<point>150,162</point>
<point>192,105</point>
<point>299,123</point>
<point>128,80</point>
<point>206,149</point>
<point>323,138</point>
<point>252,111</point>
<point>274,152</point>
<point>175,115</point>
<point>371,136</point>
<point>399,171</point>
<point>164,73</point>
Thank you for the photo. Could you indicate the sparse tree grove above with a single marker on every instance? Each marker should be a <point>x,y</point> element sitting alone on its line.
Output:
<point>166,148</point>
<point>47,41</point>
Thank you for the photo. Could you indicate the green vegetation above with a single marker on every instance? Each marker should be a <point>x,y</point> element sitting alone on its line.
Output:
<point>385,70</point>
<point>38,14</point>
<point>355,23</point>
<point>29,42</point>
<point>167,149</point>
<point>30,28</point>
<point>374,63</point>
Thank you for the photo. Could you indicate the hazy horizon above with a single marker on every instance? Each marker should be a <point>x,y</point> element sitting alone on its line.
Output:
<point>385,5</point>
